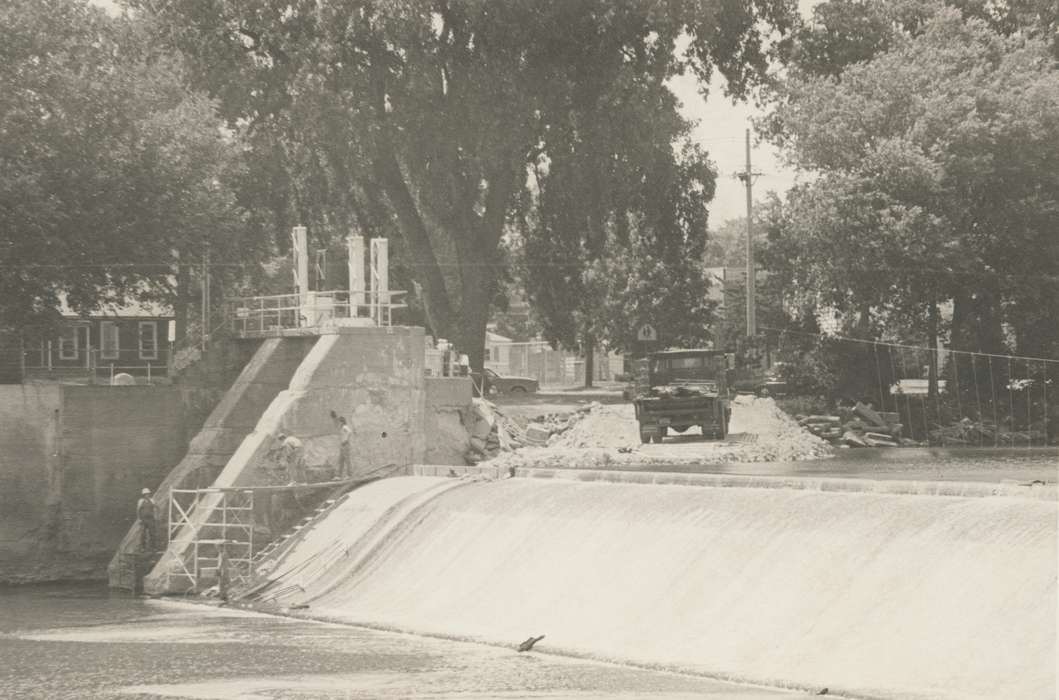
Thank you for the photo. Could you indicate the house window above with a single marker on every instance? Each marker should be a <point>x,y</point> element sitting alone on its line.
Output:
<point>148,340</point>
<point>68,343</point>
<point>109,340</point>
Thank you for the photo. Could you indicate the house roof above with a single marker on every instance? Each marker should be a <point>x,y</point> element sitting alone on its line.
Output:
<point>491,337</point>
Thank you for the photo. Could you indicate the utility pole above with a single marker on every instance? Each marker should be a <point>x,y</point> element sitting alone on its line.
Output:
<point>747,177</point>
<point>205,295</point>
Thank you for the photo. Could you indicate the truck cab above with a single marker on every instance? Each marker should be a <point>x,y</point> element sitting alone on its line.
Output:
<point>686,388</point>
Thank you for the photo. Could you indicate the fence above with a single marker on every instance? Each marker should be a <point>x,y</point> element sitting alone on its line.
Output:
<point>267,315</point>
<point>91,365</point>
<point>981,399</point>
<point>549,366</point>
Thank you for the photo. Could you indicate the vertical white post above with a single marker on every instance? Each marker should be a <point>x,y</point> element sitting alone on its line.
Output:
<point>301,271</point>
<point>355,247</point>
<point>380,278</point>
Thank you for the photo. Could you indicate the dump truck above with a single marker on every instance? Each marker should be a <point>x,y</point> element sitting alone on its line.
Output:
<point>685,388</point>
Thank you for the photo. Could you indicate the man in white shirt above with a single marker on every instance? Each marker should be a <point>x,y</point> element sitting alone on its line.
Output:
<point>345,464</point>
<point>292,456</point>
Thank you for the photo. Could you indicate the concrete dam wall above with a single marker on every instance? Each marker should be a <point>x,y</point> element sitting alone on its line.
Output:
<point>372,376</point>
<point>72,462</point>
<point>874,594</point>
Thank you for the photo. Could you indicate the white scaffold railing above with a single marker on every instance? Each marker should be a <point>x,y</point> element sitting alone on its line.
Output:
<point>262,316</point>
<point>224,530</point>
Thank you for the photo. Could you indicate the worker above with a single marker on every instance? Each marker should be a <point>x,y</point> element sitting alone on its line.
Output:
<point>145,513</point>
<point>292,457</point>
<point>345,464</point>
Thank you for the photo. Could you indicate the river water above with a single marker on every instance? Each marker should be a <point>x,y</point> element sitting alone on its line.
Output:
<point>885,595</point>
<point>991,465</point>
<point>78,642</point>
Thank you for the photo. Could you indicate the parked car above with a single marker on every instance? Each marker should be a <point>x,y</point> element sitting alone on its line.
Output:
<point>775,383</point>
<point>495,383</point>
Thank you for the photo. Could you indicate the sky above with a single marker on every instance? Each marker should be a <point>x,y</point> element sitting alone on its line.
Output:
<point>721,130</point>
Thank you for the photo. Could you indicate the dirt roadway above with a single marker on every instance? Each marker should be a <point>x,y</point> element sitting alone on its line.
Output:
<point>608,435</point>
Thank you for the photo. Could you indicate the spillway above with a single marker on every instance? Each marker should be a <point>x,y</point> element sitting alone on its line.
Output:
<point>874,594</point>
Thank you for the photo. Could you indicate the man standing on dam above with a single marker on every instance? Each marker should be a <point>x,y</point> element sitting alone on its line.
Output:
<point>345,466</point>
<point>145,513</point>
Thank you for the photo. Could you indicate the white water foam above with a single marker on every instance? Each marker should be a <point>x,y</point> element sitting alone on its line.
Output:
<point>873,594</point>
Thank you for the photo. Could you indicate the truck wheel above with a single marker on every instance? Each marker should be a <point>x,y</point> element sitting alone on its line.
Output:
<point>644,437</point>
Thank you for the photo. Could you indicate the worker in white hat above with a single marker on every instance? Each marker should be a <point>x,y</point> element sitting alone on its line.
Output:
<point>146,514</point>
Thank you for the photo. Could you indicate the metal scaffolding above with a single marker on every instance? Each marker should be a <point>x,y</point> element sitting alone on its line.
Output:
<point>219,523</point>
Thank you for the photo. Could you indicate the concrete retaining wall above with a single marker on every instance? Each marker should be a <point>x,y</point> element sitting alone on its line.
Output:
<point>72,462</point>
<point>29,461</point>
<point>448,402</point>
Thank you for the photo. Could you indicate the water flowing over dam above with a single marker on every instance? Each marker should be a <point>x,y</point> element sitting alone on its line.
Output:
<point>875,594</point>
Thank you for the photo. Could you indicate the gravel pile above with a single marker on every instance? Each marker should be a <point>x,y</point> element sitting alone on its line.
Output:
<point>608,436</point>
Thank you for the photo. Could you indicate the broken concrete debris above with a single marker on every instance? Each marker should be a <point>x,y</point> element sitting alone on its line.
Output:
<point>861,426</point>
<point>492,432</point>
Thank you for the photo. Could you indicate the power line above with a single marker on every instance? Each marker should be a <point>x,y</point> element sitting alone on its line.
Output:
<point>847,339</point>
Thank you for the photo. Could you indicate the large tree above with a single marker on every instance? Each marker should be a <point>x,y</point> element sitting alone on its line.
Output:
<point>421,120</point>
<point>111,173</point>
<point>938,183</point>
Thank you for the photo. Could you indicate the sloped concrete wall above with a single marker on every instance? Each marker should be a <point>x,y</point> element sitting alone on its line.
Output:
<point>373,376</point>
<point>266,374</point>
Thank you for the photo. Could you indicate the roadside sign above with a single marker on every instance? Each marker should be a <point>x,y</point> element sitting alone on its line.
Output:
<point>646,333</point>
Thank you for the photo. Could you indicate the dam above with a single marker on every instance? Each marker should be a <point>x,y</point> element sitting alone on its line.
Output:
<point>870,578</point>
<point>872,593</point>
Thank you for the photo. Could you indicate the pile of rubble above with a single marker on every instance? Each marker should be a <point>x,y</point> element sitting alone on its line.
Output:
<point>607,437</point>
<point>492,432</point>
<point>860,426</point>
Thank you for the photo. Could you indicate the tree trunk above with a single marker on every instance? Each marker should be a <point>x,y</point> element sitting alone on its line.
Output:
<point>958,335</point>
<point>990,331</point>
<point>932,343</point>
<point>471,328</point>
<point>590,359</point>
<point>183,298</point>
<point>428,272</point>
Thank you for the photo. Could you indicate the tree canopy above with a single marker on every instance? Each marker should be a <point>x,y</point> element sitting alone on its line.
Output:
<point>111,171</point>
<point>937,185</point>
<point>423,122</point>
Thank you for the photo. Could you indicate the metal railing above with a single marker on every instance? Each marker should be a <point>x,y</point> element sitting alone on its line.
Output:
<point>266,315</point>
<point>90,365</point>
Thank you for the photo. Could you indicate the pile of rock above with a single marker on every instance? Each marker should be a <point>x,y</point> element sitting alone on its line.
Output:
<point>860,426</point>
<point>492,432</point>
